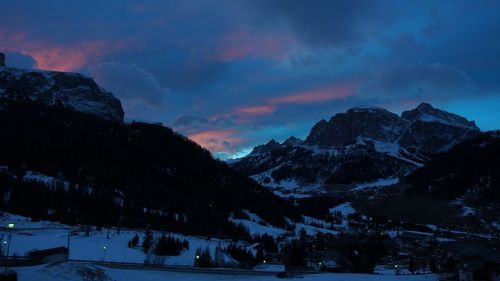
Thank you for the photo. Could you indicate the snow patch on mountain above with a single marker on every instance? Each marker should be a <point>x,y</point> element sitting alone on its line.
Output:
<point>72,90</point>
<point>256,225</point>
<point>382,144</point>
<point>345,209</point>
<point>376,184</point>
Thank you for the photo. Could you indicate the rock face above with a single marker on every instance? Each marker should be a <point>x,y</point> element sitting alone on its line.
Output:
<point>72,90</point>
<point>363,144</point>
<point>434,130</point>
<point>344,128</point>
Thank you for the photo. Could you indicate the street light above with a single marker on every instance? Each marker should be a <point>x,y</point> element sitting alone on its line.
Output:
<point>10,226</point>
<point>104,253</point>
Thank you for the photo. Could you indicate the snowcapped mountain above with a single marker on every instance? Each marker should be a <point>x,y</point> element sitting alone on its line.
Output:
<point>72,90</point>
<point>363,144</point>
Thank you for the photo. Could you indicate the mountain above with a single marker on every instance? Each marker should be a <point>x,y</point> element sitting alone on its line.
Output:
<point>470,171</point>
<point>61,160</point>
<point>72,90</point>
<point>363,144</point>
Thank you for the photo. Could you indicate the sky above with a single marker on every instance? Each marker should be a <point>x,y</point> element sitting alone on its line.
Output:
<point>232,74</point>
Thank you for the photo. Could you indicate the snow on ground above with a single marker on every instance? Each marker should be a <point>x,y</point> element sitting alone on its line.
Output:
<point>315,221</point>
<point>345,209</point>
<point>270,267</point>
<point>47,180</point>
<point>256,225</point>
<point>28,236</point>
<point>376,184</point>
<point>24,222</point>
<point>288,194</point>
<point>312,230</point>
<point>466,210</point>
<point>496,224</point>
<point>75,271</point>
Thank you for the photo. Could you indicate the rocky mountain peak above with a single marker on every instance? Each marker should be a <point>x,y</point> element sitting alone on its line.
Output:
<point>362,144</point>
<point>344,128</point>
<point>425,112</point>
<point>263,148</point>
<point>72,90</point>
<point>292,141</point>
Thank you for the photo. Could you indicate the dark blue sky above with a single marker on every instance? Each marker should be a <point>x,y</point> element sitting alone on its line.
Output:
<point>235,73</point>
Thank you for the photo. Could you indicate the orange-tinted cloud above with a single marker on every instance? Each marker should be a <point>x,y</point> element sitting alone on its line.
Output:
<point>318,95</point>
<point>58,57</point>
<point>246,114</point>
<point>63,58</point>
<point>217,140</point>
<point>257,110</point>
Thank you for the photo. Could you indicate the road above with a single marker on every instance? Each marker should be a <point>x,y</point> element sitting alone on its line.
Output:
<point>185,269</point>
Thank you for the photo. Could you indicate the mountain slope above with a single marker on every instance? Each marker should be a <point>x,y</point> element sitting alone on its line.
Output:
<point>470,171</point>
<point>72,90</point>
<point>363,144</point>
<point>66,155</point>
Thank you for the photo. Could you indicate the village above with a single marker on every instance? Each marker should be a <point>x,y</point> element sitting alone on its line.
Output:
<point>348,243</point>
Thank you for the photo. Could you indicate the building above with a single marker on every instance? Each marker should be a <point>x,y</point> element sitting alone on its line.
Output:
<point>476,261</point>
<point>52,255</point>
<point>324,261</point>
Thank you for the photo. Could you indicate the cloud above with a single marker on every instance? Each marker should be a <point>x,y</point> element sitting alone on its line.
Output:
<point>129,82</point>
<point>256,110</point>
<point>218,141</point>
<point>338,91</point>
<point>68,58</point>
<point>220,136</point>
<point>418,81</point>
<point>242,43</point>
<point>324,22</point>
<point>56,56</point>
<point>16,59</point>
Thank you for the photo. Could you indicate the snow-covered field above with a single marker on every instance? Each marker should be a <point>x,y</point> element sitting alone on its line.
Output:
<point>29,236</point>
<point>76,271</point>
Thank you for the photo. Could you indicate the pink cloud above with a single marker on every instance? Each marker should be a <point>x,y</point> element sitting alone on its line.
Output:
<point>51,56</point>
<point>217,140</point>
<point>246,114</point>
<point>334,92</point>
<point>63,58</point>
<point>257,110</point>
